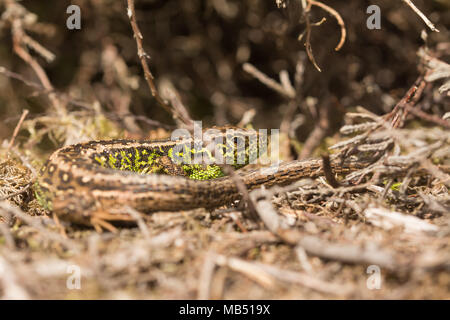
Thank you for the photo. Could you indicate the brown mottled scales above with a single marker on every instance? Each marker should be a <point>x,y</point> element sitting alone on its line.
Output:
<point>81,180</point>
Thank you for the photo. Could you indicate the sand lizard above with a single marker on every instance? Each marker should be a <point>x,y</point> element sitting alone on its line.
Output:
<point>80,180</point>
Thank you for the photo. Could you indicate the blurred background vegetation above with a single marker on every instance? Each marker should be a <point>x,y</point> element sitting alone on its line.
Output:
<point>200,46</point>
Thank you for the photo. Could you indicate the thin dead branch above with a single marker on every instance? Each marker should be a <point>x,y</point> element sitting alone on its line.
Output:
<point>269,82</point>
<point>16,130</point>
<point>20,41</point>
<point>348,253</point>
<point>421,15</point>
<point>338,17</point>
<point>177,113</point>
<point>389,219</point>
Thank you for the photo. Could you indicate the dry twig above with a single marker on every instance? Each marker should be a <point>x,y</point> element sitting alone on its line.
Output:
<point>20,41</point>
<point>16,130</point>
<point>421,15</point>
<point>177,113</point>
<point>269,82</point>
<point>338,17</point>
